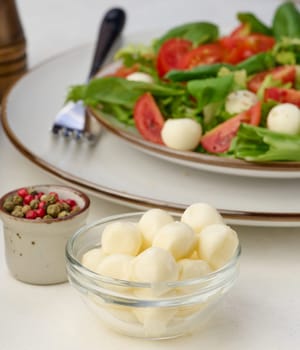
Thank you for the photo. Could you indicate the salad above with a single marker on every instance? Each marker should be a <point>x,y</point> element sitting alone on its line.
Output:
<point>194,89</point>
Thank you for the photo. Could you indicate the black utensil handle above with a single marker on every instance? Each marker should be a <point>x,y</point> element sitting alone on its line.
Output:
<point>111,26</point>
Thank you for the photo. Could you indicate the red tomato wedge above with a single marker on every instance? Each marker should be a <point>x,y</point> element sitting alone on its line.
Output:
<point>240,48</point>
<point>285,74</point>
<point>283,95</point>
<point>148,118</point>
<point>123,71</point>
<point>204,54</point>
<point>170,54</point>
<point>218,140</point>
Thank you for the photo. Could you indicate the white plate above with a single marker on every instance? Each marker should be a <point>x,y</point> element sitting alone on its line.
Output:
<point>121,173</point>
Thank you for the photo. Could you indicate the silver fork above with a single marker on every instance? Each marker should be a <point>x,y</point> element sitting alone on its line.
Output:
<point>73,120</point>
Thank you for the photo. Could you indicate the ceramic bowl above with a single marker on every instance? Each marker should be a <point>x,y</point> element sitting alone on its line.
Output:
<point>35,248</point>
<point>153,311</point>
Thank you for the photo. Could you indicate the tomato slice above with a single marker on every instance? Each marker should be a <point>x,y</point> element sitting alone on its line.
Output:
<point>123,71</point>
<point>283,95</point>
<point>170,54</point>
<point>218,140</point>
<point>254,114</point>
<point>204,54</point>
<point>148,118</point>
<point>240,48</point>
<point>285,74</point>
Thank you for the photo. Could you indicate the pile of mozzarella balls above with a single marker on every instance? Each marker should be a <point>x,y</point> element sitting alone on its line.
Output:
<point>158,248</point>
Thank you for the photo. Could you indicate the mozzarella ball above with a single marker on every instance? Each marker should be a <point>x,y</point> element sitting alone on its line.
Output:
<point>190,268</point>
<point>115,266</point>
<point>140,76</point>
<point>239,101</point>
<point>284,118</point>
<point>154,265</point>
<point>217,244</point>
<point>200,215</point>
<point>121,237</point>
<point>177,238</point>
<point>151,221</point>
<point>92,258</point>
<point>181,134</point>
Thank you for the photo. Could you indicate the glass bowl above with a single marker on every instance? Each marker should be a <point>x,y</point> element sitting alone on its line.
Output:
<point>35,248</point>
<point>145,310</point>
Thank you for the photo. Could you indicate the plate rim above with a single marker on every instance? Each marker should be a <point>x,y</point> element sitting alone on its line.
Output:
<point>245,217</point>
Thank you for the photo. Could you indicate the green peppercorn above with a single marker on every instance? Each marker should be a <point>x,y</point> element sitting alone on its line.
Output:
<point>51,198</point>
<point>66,206</point>
<point>18,211</point>
<point>34,204</point>
<point>8,205</point>
<point>43,198</point>
<point>47,217</point>
<point>75,209</point>
<point>25,209</point>
<point>17,200</point>
<point>63,214</point>
<point>32,191</point>
<point>53,210</point>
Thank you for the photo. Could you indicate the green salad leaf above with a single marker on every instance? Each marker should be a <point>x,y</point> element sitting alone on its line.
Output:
<point>210,90</point>
<point>286,21</point>
<point>256,25</point>
<point>259,144</point>
<point>197,32</point>
<point>118,91</point>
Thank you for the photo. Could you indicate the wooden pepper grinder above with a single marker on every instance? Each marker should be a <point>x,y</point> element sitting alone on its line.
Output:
<point>13,62</point>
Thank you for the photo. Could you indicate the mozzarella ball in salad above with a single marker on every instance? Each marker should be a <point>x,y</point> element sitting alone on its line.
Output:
<point>182,134</point>
<point>284,118</point>
<point>140,76</point>
<point>239,101</point>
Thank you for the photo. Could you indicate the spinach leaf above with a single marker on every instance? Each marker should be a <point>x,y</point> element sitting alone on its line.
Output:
<point>119,91</point>
<point>286,21</point>
<point>210,90</point>
<point>256,26</point>
<point>197,32</point>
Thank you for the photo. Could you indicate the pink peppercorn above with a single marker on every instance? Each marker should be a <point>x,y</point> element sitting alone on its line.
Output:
<point>40,212</point>
<point>28,198</point>
<point>71,202</point>
<point>31,214</point>
<point>23,192</point>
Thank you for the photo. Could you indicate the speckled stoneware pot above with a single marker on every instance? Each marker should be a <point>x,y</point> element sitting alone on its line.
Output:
<point>35,249</point>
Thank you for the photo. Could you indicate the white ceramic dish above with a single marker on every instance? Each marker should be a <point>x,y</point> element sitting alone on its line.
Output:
<point>120,173</point>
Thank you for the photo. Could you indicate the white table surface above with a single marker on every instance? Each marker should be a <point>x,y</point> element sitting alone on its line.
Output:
<point>263,309</point>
